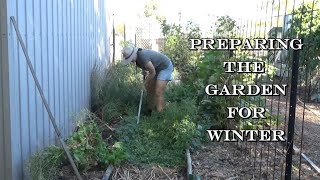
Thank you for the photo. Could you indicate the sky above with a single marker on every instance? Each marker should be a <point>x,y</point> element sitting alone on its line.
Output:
<point>201,12</point>
<point>126,10</point>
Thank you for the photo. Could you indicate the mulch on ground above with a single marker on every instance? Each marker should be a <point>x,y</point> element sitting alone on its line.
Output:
<point>307,126</point>
<point>254,160</point>
<point>128,171</point>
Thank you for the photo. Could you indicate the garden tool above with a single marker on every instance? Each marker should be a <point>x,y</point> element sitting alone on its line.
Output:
<point>140,103</point>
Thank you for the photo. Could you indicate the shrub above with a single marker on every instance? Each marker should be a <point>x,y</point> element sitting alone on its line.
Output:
<point>210,71</point>
<point>177,46</point>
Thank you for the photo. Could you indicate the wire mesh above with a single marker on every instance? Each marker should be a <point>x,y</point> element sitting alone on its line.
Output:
<point>299,108</point>
<point>148,35</point>
<point>297,112</point>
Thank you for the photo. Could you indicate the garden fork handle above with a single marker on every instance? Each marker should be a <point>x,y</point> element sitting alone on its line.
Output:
<point>144,73</point>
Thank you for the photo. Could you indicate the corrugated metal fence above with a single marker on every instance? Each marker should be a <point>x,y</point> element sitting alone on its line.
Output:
<point>64,39</point>
<point>4,96</point>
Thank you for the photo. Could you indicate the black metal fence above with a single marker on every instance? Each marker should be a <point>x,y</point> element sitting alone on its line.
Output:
<point>297,112</point>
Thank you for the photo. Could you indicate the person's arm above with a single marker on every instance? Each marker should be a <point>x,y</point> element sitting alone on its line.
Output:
<point>152,72</point>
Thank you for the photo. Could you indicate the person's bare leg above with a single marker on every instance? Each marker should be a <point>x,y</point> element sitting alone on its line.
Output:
<point>160,87</point>
<point>151,95</point>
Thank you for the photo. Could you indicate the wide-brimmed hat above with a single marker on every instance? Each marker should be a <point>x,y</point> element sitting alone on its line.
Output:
<point>129,54</point>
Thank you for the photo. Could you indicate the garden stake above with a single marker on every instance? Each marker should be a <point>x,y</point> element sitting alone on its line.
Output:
<point>140,103</point>
<point>44,101</point>
<point>189,165</point>
<point>138,118</point>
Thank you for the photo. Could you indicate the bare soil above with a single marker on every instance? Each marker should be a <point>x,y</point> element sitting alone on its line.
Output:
<point>255,160</point>
<point>262,160</point>
<point>307,126</point>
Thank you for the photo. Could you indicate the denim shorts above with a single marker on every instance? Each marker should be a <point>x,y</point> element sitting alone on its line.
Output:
<point>165,74</point>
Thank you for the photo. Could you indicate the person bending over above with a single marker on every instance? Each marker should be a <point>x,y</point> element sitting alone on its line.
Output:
<point>159,68</point>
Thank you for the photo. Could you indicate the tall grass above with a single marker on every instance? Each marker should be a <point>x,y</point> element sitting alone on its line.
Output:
<point>115,91</point>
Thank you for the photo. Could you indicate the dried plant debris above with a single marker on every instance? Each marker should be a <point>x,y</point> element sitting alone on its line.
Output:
<point>133,172</point>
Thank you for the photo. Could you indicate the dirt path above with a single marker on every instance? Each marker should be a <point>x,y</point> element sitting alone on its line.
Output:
<point>307,125</point>
<point>219,160</point>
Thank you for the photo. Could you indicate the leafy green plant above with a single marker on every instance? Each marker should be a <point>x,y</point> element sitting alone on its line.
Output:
<point>89,149</point>
<point>176,93</point>
<point>209,70</point>
<point>177,46</point>
<point>226,26</point>
<point>305,24</point>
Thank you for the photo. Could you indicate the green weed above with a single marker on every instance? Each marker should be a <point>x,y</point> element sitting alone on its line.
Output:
<point>44,165</point>
<point>163,137</point>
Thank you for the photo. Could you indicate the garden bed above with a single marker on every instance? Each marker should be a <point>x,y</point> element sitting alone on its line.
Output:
<point>154,148</point>
<point>128,171</point>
